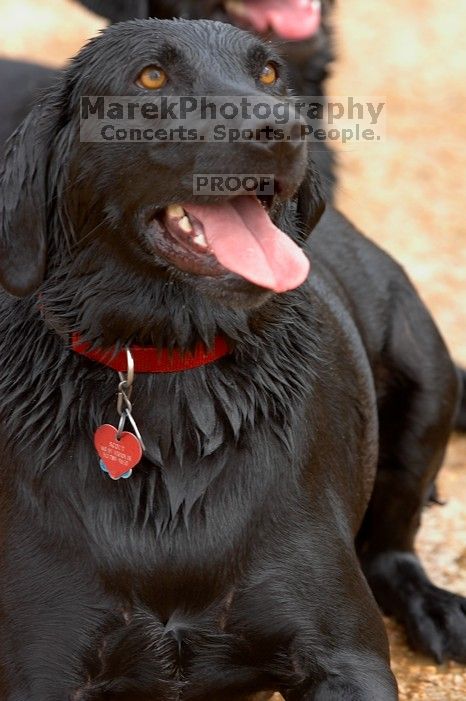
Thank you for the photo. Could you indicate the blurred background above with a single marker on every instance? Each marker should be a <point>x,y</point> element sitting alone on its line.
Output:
<point>408,194</point>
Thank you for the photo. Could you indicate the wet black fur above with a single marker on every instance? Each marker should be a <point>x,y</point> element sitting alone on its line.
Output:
<point>226,565</point>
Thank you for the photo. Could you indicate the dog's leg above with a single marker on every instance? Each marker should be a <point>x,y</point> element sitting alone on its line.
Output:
<point>349,674</point>
<point>317,604</point>
<point>346,690</point>
<point>416,414</point>
<point>356,685</point>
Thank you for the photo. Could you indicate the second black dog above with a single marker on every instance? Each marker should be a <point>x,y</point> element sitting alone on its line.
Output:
<point>225,565</point>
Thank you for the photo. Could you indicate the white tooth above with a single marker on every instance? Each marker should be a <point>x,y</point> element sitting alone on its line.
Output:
<point>185,225</point>
<point>175,211</point>
<point>200,239</point>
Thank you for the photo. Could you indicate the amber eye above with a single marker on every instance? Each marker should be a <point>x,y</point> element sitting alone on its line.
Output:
<point>269,74</point>
<point>152,78</point>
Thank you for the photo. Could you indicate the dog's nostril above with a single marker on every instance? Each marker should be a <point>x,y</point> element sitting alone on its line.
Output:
<point>297,131</point>
<point>265,134</point>
<point>270,133</point>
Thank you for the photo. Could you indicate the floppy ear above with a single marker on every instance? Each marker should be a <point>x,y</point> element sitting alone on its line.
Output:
<point>23,205</point>
<point>310,203</point>
<point>118,10</point>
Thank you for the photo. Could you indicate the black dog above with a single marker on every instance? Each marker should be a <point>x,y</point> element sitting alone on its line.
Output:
<point>225,566</point>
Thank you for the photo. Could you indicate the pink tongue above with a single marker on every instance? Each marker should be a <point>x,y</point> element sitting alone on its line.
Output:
<point>289,19</point>
<point>244,240</point>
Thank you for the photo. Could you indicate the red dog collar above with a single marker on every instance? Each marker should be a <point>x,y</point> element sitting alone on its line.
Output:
<point>149,359</point>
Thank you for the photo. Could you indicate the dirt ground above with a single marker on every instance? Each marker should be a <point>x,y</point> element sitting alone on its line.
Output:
<point>406,193</point>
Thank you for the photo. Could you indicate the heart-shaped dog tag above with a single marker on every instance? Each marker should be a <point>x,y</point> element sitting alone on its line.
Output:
<point>118,454</point>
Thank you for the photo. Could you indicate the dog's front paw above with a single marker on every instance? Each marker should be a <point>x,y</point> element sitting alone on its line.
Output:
<point>435,619</point>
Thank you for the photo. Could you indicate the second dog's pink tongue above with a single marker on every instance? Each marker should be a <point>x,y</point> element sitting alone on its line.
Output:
<point>244,240</point>
<point>290,19</point>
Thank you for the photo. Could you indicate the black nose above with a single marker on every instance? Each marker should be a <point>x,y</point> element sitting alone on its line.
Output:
<point>273,135</point>
<point>261,146</point>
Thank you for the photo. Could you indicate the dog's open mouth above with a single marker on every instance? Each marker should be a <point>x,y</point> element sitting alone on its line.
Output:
<point>236,236</point>
<point>293,20</point>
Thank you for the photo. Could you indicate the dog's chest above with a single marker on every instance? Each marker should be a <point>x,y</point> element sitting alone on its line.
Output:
<point>214,451</point>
